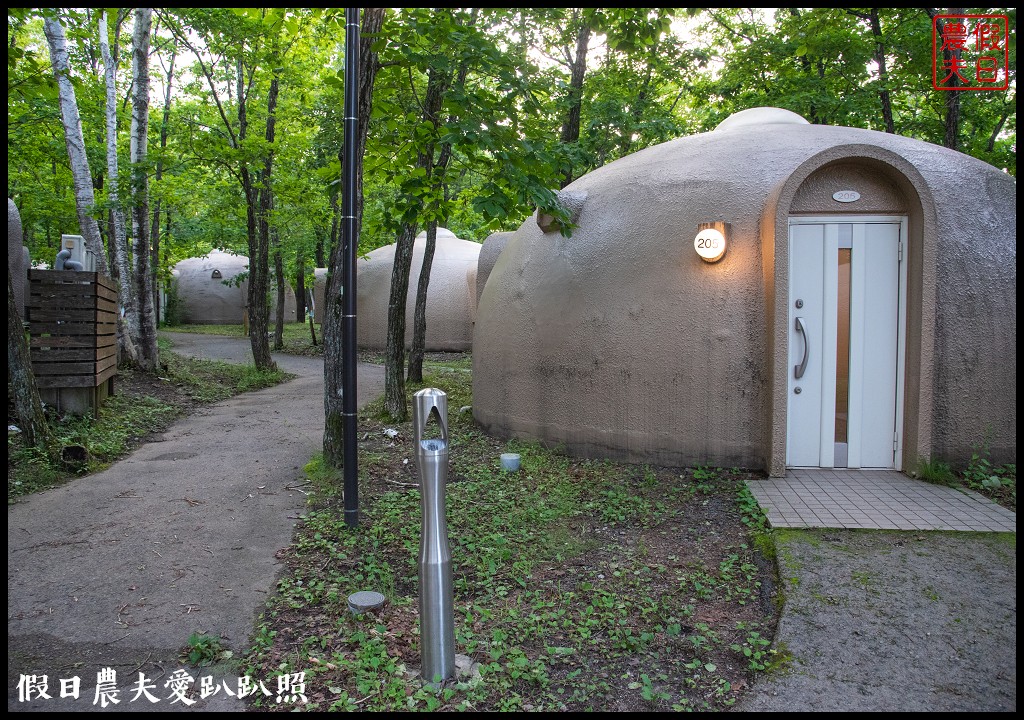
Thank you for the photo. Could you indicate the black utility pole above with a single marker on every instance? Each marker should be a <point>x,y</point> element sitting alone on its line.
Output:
<point>349,244</point>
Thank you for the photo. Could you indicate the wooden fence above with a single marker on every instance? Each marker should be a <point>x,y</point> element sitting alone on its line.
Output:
<point>73,327</point>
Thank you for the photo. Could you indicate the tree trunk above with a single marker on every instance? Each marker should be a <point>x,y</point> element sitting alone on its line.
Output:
<point>950,59</point>
<point>394,359</point>
<point>266,207</point>
<point>281,285</point>
<point>318,253</point>
<point>128,324</point>
<point>300,288</point>
<point>164,124</point>
<point>883,73</point>
<point>85,200</point>
<point>571,125</point>
<point>419,322</point>
<point>21,381</point>
<point>369,64</point>
<point>419,333</point>
<point>394,352</point>
<point>148,353</point>
<point>258,270</point>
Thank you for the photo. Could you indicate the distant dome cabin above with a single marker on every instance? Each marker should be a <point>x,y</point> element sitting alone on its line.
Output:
<point>451,295</point>
<point>207,294</point>
<point>863,313</point>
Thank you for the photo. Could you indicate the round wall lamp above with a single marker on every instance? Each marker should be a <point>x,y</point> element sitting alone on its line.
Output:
<point>711,240</point>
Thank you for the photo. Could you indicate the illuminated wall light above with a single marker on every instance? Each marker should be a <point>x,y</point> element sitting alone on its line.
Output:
<point>711,241</point>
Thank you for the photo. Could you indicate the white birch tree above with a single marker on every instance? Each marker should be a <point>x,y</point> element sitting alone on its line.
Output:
<point>148,353</point>
<point>128,327</point>
<point>85,200</point>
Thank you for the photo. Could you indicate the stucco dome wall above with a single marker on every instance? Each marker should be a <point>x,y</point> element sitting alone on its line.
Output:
<point>319,294</point>
<point>450,295</point>
<point>206,300</point>
<point>621,342</point>
<point>976,318</point>
<point>489,253</point>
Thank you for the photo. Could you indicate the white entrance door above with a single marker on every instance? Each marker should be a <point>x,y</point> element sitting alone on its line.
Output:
<point>845,342</point>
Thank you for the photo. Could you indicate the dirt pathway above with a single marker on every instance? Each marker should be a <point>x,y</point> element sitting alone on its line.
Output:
<point>880,621</point>
<point>118,569</point>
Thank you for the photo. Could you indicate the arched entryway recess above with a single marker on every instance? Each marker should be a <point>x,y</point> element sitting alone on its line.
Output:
<point>887,184</point>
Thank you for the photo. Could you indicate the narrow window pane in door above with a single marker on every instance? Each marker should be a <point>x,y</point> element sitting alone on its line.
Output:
<point>843,347</point>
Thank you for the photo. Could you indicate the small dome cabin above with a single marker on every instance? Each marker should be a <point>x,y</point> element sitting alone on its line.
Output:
<point>209,297</point>
<point>771,294</point>
<point>451,295</point>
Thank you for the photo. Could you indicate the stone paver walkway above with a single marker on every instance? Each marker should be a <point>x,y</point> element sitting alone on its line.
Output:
<point>874,499</point>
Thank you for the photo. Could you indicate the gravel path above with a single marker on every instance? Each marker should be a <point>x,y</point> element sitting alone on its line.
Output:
<point>895,621</point>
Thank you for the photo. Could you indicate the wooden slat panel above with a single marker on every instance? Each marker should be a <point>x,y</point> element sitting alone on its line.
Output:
<point>106,293</point>
<point>51,382</point>
<point>72,354</point>
<point>64,368</point>
<point>105,375</point>
<point>52,314</point>
<point>46,292</point>
<point>72,296</point>
<point>78,328</point>
<point>106,316</point>
<point>106,281</point>
<point>105,364</point>
<point>44,355</point>
<point>60,276</point>
<point>72,341</point>
<point>63,297</point>
<point>51,341</point>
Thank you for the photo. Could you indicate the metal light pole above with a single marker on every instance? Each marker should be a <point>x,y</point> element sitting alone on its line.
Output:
<point>349,243</point>
<point>437,605</point>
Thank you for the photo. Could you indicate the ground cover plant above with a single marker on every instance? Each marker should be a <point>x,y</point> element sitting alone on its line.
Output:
<point>996,482</point>
<point>297,338</point>
<point>579,585</point>
<point>142,404</point>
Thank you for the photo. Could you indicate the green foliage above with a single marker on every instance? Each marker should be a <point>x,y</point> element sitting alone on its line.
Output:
<point>204,650</point>
<point>568,588</point>
<point>935,471</point>
<point>996,482</point>
<point>652,74</point>
<point>754,648</point>
<point>822,64</point>
<point>121,419</point>
<point>213,380</point>
<point>173,307</point>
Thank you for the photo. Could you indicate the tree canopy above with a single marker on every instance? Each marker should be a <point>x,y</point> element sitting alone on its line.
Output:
<point>650,75</point>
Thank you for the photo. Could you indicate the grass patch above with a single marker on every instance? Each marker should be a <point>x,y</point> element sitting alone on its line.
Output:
<point>578,584</point>
<point>295,338</point>
<point>996,482</point>
<point>105,439</point>
<point>936,472</point>
<point>142,404</point>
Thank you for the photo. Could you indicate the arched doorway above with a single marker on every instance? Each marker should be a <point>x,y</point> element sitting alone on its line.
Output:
<point>881,245</point>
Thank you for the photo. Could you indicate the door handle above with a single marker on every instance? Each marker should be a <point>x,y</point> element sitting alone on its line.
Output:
<point>798,370</point>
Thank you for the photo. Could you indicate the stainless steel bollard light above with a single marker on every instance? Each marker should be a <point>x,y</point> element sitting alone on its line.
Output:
<point>437,606</point>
